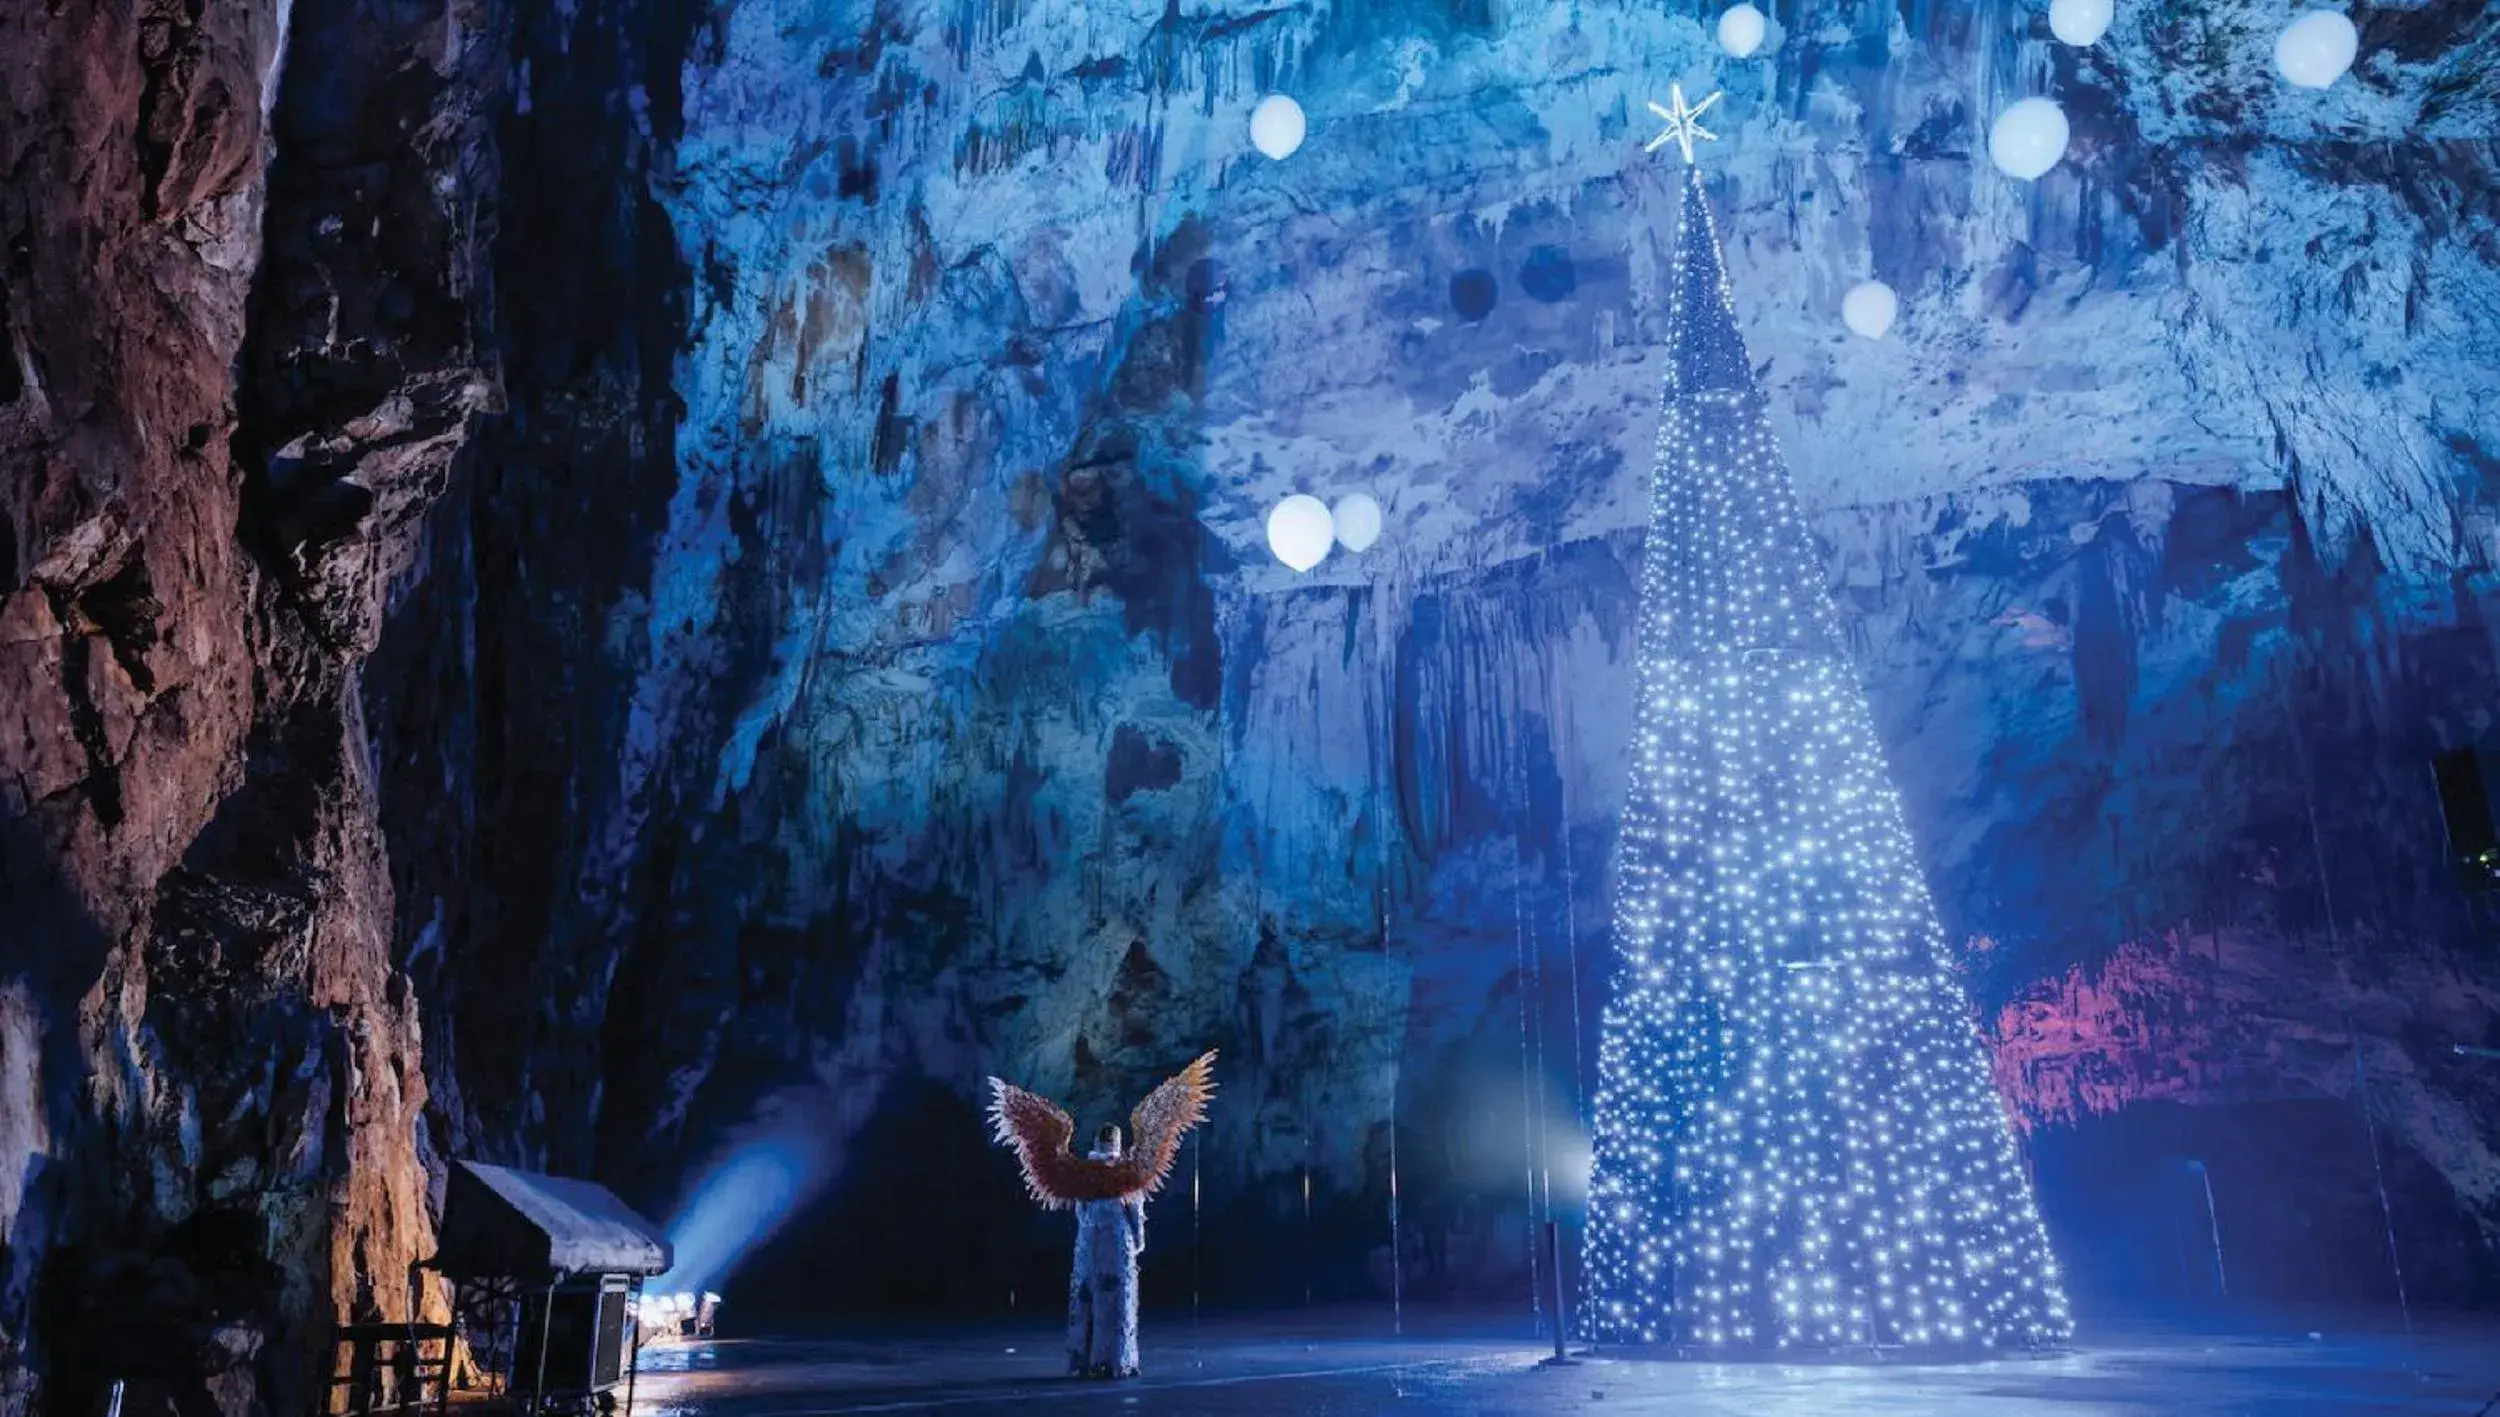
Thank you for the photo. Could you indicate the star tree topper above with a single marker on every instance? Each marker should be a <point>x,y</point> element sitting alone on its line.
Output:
<point>1682,126</point>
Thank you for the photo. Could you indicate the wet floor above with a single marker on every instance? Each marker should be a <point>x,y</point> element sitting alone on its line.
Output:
<point>1319,1366</point>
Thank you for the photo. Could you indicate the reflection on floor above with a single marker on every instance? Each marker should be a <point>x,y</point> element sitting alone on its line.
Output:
<point>1331,1363</point>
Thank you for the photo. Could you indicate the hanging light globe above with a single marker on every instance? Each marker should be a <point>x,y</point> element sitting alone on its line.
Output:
<point>1277,126</point>
<point>2028,138</point>
<point>1868,309</point>
<point>2079,22</point>
<point>1357,515</point>
<point>1300,531</point>
<point>1741,29</point>
<point>2315,50</point>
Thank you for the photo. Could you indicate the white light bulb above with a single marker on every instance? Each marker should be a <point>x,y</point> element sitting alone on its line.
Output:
<point>1741,28</point>
<point>2028,138</point>
<point>2079,22</point>
<point>2316,49</point>
<point>1869,307</point>
<point>1357,515</point>
<point>1277,126</point>
<point>1300,531</point>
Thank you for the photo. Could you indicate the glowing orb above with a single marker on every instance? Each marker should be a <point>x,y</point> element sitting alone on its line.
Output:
<point>1357,516</point>
<point>2028,138</point>
<point>2315,50</point>
<point>1300,531</point>
<point>1868,308</point>
<point>1741,30</point>
<point>2079,22</point>
<point>1277,126</point>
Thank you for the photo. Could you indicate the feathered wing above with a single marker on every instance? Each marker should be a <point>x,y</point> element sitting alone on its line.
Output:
<point>1163,1119</point>
<point>1040,1134</point>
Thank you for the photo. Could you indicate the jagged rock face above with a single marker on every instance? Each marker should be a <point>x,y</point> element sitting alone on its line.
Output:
<point>960,720</point>
<point>210,1085</point>
<point>847,661</point>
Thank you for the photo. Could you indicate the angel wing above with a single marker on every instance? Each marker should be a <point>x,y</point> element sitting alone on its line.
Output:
<point>1166,1115</point>
<point>1039,1132</point>
<point>1058,1178</point>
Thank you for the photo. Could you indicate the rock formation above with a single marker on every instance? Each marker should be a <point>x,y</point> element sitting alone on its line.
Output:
<point>234,386</point>
<point>569,573</point>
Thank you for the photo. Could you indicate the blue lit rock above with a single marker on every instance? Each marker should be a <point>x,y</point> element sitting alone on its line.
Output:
<point>999,340</point>
<point>848,661</point>
<point>1002,341</point>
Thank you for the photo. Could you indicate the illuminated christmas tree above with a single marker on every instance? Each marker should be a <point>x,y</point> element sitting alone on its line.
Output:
<point>1798,1143</point>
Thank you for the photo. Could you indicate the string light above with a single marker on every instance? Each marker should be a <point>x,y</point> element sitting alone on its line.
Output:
<point>1798,1144</point>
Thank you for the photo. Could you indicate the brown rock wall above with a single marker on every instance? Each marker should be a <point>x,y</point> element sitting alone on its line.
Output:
<point>209,1062</point>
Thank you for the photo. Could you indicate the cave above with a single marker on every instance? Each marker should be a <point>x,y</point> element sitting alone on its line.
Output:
<point>1865,636</point>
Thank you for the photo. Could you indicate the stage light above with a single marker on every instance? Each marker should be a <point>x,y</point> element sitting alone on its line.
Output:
<point>678,1315</point>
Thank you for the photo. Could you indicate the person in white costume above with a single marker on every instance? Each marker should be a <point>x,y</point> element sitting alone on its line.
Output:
<point>1102,1286</point>
<point>1107,1187</point>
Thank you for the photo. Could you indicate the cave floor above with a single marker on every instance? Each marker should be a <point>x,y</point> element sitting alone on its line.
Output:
<point>1342,1363</point>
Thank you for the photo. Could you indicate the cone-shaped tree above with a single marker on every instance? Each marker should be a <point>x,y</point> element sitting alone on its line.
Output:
<point>1798,1142</point>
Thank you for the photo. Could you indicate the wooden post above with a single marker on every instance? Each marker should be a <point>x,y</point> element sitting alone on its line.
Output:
<point>414,1364</point>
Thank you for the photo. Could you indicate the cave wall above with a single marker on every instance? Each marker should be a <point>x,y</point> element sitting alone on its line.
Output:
<point>587,585</point>
<point>240,365</point>
<point>960,721</point>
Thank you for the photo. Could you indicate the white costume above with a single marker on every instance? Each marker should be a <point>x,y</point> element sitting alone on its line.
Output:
<point>1102,1285</point>
<point>1107,1188</point>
